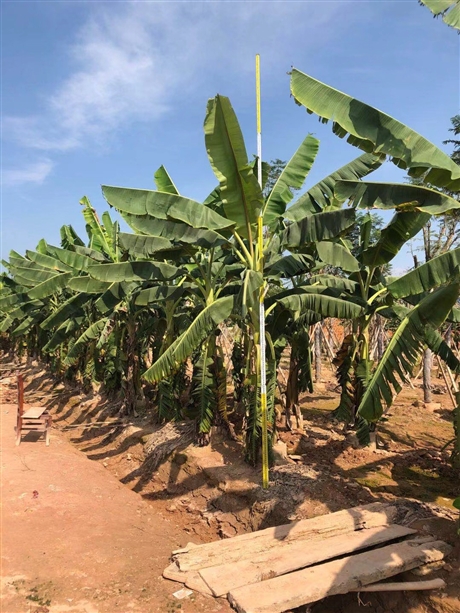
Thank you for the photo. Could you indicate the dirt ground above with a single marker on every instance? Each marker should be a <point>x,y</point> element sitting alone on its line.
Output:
<point>98,534</point>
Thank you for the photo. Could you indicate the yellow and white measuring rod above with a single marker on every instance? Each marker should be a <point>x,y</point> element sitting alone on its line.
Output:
<point>260,240</point>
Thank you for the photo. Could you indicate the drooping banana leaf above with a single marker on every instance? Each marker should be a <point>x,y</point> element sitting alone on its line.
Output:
<point>88,285</point>
<point>439,346</point>
<point>367,195</point>
<point>160,205</point>
<point>174,231</point>
<point>337,255</point>
<point>321,304</point>
<point>403,227</point>
<point>321,195</point>
<point>91,253</point>
<point>48,262</point>
<point>334,281</point>
<point>65,311</point>
<point>207,320</point>
<point>241,194</point>
<point>376,132</point>
<point>293,176</point>
<point>164,183</point>
<point>35,275</point>
<point>90,334</point>
<point>290,265</point>
<point>75,261</point>
<point>159,294</point>
<point>318,227</point>
<point>433,273</point>
<point>134,271</point>
<point>51,286</point>
<point>449,9</point>
<point>143,246</point>
<point>404,348</point>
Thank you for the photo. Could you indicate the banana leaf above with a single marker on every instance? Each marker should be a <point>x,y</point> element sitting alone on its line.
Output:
<point>321,196</point>
<point>240,192</point>
<point>375,132</point>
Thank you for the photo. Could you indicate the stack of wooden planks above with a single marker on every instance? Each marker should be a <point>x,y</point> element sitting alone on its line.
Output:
<point>280,568</point>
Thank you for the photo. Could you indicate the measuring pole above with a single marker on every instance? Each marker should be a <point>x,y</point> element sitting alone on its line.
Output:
<point>260,244</point>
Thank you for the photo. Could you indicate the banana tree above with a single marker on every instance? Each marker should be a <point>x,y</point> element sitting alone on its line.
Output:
<point>234,264</point>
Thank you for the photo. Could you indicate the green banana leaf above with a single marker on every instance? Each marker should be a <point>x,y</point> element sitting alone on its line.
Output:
<point>433,273</point>
<point>97,233</point>
<point>293,176</point>
<point>318,227</point>
<point>174,231</point>
<point>65,311</point>
<point>160,293</point>
<point>403,227</point>
<point>182,348</point>
<point>87,285</point>
<point>321,304</point>
<point>51,286</point>
<point>367,195</point>
<point>90,334</point>
<point>240,192</point>
<point>375,132</point>
<point>334,282</point>
<point>34,275</point>
<point>75,261</point>
<point>164,183</point>
<point>290,265</point>
<point>143,246</point>
<point>321,196</point>
<point>134,271</point>
<point>46,261</point>
<point>449,9</point>
<point>337,255</point>
<point>160,205</point>
<point>403,349</point>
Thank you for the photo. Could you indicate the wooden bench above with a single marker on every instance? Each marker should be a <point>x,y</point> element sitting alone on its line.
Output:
<point>33,419</point>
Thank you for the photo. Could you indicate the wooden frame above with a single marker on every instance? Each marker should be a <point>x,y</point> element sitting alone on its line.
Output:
<point>34,419</point>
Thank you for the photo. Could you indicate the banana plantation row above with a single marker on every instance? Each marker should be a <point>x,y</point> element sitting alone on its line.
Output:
<point>141,311</point>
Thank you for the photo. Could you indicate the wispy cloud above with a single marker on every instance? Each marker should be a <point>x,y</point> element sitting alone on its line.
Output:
<point>129,64</point>
<point>32,173</point>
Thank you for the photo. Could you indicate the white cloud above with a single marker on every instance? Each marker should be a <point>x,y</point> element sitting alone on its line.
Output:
<point>33,173</point>
<point>130,62</point>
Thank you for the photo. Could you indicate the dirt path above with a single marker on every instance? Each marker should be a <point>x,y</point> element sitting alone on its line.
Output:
<point>75,540</point>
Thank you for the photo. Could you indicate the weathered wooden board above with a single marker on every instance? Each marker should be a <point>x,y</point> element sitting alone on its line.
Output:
<point>248,545</point>
<point>336,577</point>
<point>292,555</point>
<point>34,412</point>
<point>191,579</point>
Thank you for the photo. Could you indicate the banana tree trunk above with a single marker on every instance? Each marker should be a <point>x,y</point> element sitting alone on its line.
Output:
<point>292,390</point>
<point>132,368</point>
<point>317,337</point>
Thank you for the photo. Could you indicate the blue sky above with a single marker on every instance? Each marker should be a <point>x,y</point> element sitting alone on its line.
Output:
<point>105,92</point>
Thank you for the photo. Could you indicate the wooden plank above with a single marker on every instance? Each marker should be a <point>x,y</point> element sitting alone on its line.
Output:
<point>247,545</point>
<point>293,555</point>
<point>336,577</point>
<point>33,412</point>
<point>191,579</point>
<point>403,586</point>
